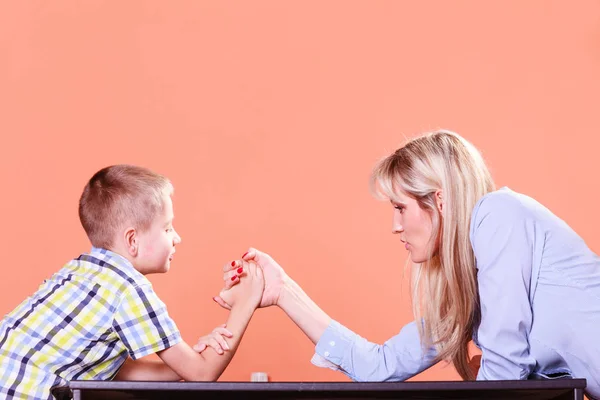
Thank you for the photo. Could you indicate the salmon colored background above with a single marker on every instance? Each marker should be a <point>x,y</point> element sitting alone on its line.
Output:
<point>268,117</point>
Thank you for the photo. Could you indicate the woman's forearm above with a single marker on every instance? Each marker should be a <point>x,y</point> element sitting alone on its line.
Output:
<point>303,311</point>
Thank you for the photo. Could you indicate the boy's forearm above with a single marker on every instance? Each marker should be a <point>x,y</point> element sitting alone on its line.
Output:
<point>146,370</point>
<point>237,322</point>
<point>208,365</point>
<point>213,364</point>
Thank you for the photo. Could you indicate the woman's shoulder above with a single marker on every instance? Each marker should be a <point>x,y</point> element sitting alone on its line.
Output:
<point>505,206</point>
<point>502,214</point>
<point>503,202</point>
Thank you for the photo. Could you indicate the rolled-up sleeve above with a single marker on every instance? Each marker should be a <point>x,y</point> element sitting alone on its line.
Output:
<point>399,358</point>
<point>503,236</point>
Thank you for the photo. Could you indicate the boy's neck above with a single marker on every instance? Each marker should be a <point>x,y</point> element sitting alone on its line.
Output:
<point>125,254</point>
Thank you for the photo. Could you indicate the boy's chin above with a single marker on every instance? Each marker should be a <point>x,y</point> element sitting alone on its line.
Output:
<point>162,269</point>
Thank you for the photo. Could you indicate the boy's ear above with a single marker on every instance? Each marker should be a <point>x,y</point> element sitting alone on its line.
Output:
<point>131,241</point>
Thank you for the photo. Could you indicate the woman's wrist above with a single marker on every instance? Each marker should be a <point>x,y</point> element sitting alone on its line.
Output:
<point>302,310</point>
<point>289,291</point>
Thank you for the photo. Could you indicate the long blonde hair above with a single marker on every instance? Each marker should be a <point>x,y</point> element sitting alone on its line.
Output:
<point>445,295</point>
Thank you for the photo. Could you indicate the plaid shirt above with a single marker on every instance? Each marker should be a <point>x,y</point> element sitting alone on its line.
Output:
<point>82,323</point>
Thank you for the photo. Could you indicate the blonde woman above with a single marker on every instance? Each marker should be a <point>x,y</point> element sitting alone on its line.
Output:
<point>492,266</point>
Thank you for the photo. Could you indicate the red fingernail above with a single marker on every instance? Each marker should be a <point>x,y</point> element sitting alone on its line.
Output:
<point>233,278</point>
<point>244,254</point>
<point>240,270</point>
<point>233,263</point>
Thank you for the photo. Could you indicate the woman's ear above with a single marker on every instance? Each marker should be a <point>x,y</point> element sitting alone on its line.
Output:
<point>439,200</point>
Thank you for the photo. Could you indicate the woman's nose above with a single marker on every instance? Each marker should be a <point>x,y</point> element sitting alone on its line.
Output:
<point>397,227</point>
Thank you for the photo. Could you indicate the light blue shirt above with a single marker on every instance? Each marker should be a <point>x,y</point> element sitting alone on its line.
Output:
<point>539,287</point>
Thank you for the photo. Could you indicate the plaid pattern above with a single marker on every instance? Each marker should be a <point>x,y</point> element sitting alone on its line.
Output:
<point>82,323</point>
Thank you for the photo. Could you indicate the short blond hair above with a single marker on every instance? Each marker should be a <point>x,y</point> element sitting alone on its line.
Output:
<point>120,195</point>
<point>445,296</point>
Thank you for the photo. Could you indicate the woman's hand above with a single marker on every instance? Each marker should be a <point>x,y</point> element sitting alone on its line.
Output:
<point>274,276</point>
<point>243,286</point>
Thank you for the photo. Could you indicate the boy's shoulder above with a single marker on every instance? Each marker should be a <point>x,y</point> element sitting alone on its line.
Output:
<point>106,268</point>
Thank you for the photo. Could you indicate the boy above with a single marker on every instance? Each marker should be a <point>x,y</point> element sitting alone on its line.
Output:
<point>98,315</point>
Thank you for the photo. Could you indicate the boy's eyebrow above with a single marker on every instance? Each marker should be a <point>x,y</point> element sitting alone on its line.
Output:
<point>397,203</point>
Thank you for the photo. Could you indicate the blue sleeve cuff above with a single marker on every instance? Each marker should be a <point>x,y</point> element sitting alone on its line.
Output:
<point>335,343</point>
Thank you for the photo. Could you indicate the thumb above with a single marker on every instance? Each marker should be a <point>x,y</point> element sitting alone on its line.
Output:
<point>252,255</point>
<point>221,302</point>
<point>199,348</point>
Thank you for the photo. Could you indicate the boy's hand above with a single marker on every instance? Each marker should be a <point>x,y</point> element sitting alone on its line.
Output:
<point>274,276</point>
<point>215,340</point>
<point>249,286</point>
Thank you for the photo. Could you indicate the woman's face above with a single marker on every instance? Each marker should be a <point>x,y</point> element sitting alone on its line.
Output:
<point>414,225</point>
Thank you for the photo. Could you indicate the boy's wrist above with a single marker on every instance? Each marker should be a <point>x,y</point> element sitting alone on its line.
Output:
<point>244,308</point>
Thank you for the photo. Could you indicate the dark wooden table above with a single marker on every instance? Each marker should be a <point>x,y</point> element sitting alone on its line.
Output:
<point>571,389</point>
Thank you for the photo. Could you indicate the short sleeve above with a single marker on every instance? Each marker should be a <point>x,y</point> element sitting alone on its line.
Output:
<point>143,323</point>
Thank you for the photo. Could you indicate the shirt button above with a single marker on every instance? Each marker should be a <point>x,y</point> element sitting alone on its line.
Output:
<point>332,343</point>
<point>326,354</point>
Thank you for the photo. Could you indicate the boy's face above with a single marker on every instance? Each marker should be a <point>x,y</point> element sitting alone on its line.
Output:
<point>157,244</point>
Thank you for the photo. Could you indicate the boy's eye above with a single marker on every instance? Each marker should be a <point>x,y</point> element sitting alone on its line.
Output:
<point>399,208</point>
<point>169,230</point>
